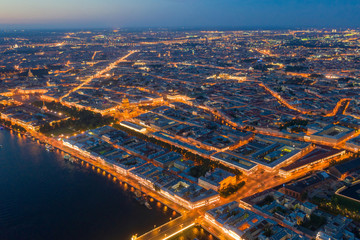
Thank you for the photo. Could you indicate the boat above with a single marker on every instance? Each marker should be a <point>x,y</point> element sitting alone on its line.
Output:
<point>67,157</point>
<point>49,148</point>
<point>137,193</point>
<point>147,204</point>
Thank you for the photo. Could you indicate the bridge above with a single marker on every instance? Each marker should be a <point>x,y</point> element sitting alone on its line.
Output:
<point>171,228</point>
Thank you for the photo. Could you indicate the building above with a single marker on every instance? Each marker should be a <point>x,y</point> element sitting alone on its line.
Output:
<point>338,227</point>
<point>316,156</point>
<point>331,134</point>
<point>353,144</point>
<point>235,162</point>
<point>271,153</point>
<point>217,179</point>
<point>167,160</point>
<point>345,169</point>
<point>133,126</point>
<point>243,224</point>
<point>299,188</point>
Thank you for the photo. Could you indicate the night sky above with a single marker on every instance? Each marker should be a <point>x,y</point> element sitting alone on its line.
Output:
<point>180,13</point>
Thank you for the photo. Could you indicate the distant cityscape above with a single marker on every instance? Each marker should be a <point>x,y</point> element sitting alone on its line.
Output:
<point>249,134</point>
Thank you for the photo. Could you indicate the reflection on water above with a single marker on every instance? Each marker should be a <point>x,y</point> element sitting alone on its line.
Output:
<point>42,196</point>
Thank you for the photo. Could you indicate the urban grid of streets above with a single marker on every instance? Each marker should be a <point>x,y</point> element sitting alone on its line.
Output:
<point>255,81</point>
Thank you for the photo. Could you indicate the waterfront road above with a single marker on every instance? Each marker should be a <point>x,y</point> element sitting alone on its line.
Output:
<point>171,228</point>
<point>109,170</point>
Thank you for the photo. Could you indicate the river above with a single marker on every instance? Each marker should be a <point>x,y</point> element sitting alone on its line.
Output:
<point>43,196</point>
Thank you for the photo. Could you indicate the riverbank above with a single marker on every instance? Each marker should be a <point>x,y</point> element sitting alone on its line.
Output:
<point>110,172</point>
<point>121,178</point>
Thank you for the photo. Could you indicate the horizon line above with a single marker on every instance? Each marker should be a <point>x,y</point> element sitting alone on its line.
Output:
<point>22,27</point>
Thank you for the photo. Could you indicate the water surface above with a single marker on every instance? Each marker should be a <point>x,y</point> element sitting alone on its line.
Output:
<point>42,196</point>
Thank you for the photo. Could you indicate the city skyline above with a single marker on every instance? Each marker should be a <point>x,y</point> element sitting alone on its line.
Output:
<point>179,13</point>
<point>232,133</point>
<point>180,119</point>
